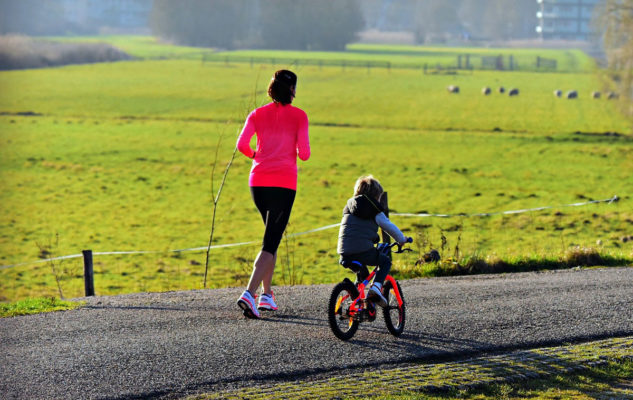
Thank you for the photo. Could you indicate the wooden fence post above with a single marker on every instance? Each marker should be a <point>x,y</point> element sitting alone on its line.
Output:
<point>89,283</point>
<point>384,202</point>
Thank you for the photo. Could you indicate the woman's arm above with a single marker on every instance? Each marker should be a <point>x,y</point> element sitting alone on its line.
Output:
<point>303,141</point>
<point>244,140</point>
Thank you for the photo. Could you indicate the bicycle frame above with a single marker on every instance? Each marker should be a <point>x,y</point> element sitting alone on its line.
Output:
<point>349,306</point>
<point>359,304</point>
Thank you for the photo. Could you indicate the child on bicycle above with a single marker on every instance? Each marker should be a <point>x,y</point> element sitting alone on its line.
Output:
<point>362,216</point>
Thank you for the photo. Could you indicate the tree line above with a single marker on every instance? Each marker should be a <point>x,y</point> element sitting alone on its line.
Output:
<point>286,24</point>
<point>331,24</point>
<point>475,19</point>
<point>616,23</point>
<point>435,21</point>
<point>276,24</point>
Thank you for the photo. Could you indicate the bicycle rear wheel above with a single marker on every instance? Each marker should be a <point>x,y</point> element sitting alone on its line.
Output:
<point>342,324</point>
<point>393,313</point>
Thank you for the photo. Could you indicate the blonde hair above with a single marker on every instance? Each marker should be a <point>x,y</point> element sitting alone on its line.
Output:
<point>369,186</point>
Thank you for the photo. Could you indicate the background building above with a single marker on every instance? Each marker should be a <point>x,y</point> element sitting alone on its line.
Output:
<point>565,19</point>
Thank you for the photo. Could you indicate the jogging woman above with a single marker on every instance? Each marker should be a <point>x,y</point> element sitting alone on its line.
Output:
<point>282,135</point>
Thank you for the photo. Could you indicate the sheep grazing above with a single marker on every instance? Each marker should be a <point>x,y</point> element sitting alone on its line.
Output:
<point>501,89</point>
<point>572,94</point>
<point>513,92</point>
<point>453,89</point>
<point>595,95</point>
<point>612,95</point>
<point>558,93</point>
<point>486,91</point>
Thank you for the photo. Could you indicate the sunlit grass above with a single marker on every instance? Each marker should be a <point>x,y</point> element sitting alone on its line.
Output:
<point>147,47</point>
<point>35,306</point>
<point>416,57</point>
<point>118,157</point>
<point>611,381</point>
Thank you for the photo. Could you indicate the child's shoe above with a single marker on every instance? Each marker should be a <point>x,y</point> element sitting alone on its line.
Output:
<point>374,295</point>
<point>267,302</point>
<point>247,303</point>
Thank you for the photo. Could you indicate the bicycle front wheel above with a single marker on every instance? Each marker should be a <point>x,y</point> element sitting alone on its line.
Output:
<point>343,325</point>
<point>394,314</point>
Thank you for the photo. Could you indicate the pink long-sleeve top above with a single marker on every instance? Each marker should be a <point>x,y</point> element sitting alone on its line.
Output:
<point>282,135</point>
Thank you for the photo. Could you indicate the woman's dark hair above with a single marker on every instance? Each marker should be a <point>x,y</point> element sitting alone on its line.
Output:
<point>280,88</point>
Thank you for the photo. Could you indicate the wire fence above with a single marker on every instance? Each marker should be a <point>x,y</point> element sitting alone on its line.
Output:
<point>610,200</point>
<point>458,62</point>
<point>310,257</point>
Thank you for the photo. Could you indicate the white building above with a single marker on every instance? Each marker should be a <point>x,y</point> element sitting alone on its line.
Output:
<point>565,19</point>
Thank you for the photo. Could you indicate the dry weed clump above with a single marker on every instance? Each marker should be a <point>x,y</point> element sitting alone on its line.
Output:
<point>583,256</point>
<point>22,52</point>
<point>489,265</point>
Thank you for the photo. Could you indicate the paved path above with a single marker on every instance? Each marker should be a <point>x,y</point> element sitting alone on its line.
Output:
<point>174,344</point>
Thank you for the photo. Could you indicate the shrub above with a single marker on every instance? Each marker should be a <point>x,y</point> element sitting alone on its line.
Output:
<point>22,52</point>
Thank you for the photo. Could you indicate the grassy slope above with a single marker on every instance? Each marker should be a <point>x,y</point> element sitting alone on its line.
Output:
<point>35,306</point>
<point>120,161</point>
<point>611,381</point>
<point>417,56</point>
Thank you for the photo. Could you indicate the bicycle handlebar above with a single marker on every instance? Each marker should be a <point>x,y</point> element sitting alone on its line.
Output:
<point>400,249</point>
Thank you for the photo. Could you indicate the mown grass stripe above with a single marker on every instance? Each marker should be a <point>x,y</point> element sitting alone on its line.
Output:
<point>441,377</point>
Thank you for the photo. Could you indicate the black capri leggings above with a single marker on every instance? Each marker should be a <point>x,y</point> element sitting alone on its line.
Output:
<point>275,205</point>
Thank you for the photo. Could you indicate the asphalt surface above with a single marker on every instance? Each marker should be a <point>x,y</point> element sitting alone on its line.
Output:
<point>169,345</point>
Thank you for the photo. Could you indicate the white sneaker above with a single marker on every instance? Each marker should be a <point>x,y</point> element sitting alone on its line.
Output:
<point>247,303</point>
<point>376,296</point>
<point>267,302</point>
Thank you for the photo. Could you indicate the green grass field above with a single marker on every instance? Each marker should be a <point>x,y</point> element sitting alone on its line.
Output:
<point>118,157</point>
<point>35,306</point>
<point>611,381</point>
<point>147,47</point>
<point>417,57</point>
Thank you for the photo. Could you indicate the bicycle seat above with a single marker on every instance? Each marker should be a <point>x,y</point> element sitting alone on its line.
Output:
<point>351,264</point>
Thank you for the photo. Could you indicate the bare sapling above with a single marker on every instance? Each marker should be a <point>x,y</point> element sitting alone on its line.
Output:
<point>46,251</point>
<point>216,200</point>
<point>291,268</point>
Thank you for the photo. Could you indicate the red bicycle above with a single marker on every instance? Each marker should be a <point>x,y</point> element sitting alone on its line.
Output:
<point>348,305</point>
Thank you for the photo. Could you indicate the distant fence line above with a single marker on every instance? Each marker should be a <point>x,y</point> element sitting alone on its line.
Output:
<point>211,57</point>
<point>465,61</point>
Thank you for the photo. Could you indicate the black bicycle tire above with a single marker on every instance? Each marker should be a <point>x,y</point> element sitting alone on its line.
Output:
<point>395,330</point>
<point>353,327</point>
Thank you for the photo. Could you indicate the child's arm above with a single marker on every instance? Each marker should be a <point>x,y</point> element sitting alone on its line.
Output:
<point>390,228</point>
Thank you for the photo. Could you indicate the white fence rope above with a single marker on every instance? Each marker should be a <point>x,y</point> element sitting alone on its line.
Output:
<point>322,228</point>
<point>611,200</point>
